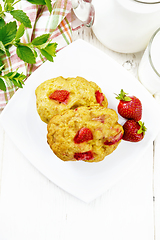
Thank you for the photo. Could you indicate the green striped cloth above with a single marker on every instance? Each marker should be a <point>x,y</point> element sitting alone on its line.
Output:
<point>59,24</point>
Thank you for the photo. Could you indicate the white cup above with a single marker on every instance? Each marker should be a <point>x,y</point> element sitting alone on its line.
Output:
<point>149,67</point>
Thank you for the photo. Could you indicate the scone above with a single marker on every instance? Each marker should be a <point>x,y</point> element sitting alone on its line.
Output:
<point>85,133</point>
<point>58,94</point>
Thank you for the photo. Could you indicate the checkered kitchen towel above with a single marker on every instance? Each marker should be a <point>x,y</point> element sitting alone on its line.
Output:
<point>59,24</point>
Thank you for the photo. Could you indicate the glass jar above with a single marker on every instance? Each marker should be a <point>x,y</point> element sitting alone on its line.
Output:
<point>149,67</point>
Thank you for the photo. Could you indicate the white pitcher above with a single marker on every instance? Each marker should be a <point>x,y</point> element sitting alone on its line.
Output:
<point>121,25</point>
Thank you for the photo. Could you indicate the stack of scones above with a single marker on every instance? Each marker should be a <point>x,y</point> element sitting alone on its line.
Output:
<point>79,123</point>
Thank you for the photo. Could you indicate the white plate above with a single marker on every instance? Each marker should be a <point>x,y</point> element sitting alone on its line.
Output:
<point>20,120</point>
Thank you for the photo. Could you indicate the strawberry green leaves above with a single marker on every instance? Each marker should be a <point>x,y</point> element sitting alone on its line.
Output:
<point>123,96</point>
<point>142,128</point>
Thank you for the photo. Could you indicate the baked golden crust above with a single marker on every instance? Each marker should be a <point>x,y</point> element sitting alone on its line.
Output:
<point>81,93</point>
<point>101,122</point>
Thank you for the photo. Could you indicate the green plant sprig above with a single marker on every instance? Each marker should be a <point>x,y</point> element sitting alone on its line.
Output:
<point>19,15</point>
<point>42,2</point>
<point>11,78</point>
<point>27,52</point>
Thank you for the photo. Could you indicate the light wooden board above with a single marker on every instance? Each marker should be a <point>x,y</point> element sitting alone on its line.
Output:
<point>33,208</point>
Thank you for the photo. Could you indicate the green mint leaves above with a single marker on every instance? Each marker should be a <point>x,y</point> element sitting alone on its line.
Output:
<point>10,35</point>
<point>49,5</point>
<point>37,2</point>
<point>28,52</point>
<point>40,40</point>
<point>8,32</point>
<point>20,32</point>
<point>25,54</point>
<point>21,16</point>
<point>42,2</point>
<point>47,49</point>
<point>10,79</point>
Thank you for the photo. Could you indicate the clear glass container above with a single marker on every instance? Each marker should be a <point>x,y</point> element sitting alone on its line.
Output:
<point>149,67</point>
<point>147,1</point>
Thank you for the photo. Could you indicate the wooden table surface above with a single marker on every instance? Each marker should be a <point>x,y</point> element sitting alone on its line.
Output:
<point>33,208</point>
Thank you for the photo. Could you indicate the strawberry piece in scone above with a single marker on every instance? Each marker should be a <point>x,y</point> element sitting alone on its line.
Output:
<point>99,97</point>
<point>84,156</point>
<point>60,95</point>
<point>87,133</point>
<point>114,139</point>
<point>83,135</point>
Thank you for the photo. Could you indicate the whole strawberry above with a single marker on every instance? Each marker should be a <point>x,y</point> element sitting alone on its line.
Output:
<point>133,131</point>
<point>129,107</point>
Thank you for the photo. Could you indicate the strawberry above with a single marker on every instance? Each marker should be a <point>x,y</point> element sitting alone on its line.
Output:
<point>83,135</point>
<point>99,97</point>
<point>83,156</point>
<point>129,107</point>
<point>133,131</point>
<point>60,95</point>
<point>114,139</point>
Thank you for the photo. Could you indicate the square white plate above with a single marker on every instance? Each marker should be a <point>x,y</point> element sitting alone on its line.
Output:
<point>20,120</point>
